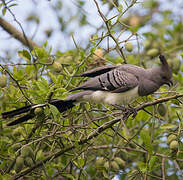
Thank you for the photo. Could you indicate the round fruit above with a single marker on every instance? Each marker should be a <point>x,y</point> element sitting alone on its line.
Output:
<point>57,67</point>
<point>162,110</point>
<point>134,21</point>
<point>16,146</point>
<point>119,161</point>
<point>171,138</point>
<point>27,152</point>
<point>97,54</point>
<point>100,162</point>
<point>147,44</point>
<point>174,145</point>
<point>29,162</point>
<point>17,131</point>
<point>170,63</point>
<point>19,164</point>
<point>106,165</point>
<point>114,166</point>
<point>176,65</point>
<point>3,81</point>
<point>153,52</point>
<point>38,111</point>
<point>129,46</point>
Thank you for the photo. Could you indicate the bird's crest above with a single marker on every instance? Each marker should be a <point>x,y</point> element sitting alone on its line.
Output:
<point>163,60</point>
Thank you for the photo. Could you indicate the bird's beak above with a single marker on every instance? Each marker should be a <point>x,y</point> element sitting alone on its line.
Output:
<point>170,83</point>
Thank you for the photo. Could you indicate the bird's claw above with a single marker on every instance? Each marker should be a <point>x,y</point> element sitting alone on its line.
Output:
<point>127,110</point>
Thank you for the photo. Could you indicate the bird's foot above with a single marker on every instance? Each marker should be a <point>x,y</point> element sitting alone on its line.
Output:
<point>133,111</point>
<point>127,111</point>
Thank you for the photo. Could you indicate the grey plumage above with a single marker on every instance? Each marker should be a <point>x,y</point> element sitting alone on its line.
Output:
<point>112,85</point>
<point>124,78</point>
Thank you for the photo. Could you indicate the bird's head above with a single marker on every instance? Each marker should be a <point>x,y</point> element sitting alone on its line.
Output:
<point>166,73</point>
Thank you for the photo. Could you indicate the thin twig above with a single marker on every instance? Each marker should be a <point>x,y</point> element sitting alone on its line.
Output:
<point>23,93</point>
<point>178,167</point>
<point>14,32</point>
<point>163,168</point>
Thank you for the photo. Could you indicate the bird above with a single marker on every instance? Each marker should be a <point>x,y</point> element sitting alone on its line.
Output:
<point>114,85</point>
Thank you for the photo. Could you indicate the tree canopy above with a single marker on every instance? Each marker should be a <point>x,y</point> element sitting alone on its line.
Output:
<point>90,141</point>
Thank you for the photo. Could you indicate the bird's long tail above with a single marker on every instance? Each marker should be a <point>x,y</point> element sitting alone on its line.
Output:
<point>61,105</point>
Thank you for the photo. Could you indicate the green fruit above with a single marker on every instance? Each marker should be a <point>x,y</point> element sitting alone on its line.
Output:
<point>3,81</point>
<point>119,161</point>
<point>100,162</point>
<point>65,60</point>
<point>106,165</point>
<point>129,46</point>
<point>147,44</point>
<point>155,44</point>
<point>57,67</point>
<point>162,110</point>
<point>19,164</point>
<point>27,152</point>
<point>29,162</point>
<point>17,131</point>
<point>176,65</point>
<point>174,145</point>
<point>16,146</point>
<point>114,166</point>
<point>171,138</point>
<point>38,111</point>
<point>153,52</point>
<point>170,63</point>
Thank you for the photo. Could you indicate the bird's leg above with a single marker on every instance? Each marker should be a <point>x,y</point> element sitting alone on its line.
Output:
<point>122,108</point>
<point>127,110</point>
<point>132,110</point>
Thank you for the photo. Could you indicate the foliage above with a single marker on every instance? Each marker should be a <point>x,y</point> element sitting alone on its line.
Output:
<point>93,141</point>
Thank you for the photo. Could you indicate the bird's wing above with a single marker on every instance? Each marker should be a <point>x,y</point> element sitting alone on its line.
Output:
<point>116,81</point>
<point>96,72</point>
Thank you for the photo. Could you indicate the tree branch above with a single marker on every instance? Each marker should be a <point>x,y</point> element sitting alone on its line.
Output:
<point>94,134</point>
<point>17,34</point>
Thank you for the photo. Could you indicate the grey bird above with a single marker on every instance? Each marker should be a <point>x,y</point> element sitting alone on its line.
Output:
<point>115,85</point>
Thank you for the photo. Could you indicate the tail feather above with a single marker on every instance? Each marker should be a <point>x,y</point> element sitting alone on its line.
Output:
<point>21,119</point>
<point>15,112</point>
<point>61,105</point>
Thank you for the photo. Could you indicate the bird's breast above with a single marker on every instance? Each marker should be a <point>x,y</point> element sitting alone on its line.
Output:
<point>112,98</point>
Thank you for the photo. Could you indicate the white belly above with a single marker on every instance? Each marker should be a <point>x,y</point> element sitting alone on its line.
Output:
<point>112,98</point>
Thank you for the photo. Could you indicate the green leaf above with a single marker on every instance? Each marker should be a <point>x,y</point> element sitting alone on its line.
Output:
<point>142,166</point>
<point>152,162</point>
<point>53,77</point>
<point>39,155</point>
<point>69,176</point>
<point>18,73</point>
<point>54,111</point>
<point>4,11</point>
<point>167,126</point>
<point>41,54</point>
<point>120,8</point>
<point>12,5</point>
<point>81,161</point>
<point>105,174</point>
<point>25,55</point>
<point>60,90</point>
<point>147,140</point>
